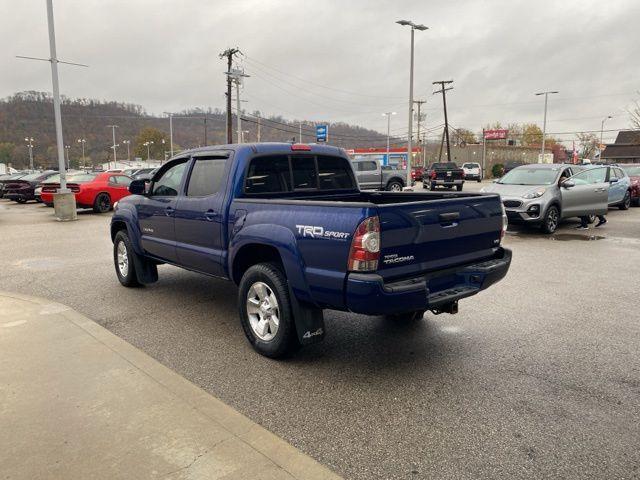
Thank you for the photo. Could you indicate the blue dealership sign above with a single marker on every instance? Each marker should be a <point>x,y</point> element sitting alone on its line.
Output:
<point>322,133</point>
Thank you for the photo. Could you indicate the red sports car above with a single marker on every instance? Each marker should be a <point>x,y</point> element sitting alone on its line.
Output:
<point>633,170</point>
<point>92,190</point>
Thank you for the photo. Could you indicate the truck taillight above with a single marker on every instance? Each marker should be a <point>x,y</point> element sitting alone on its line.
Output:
<point>365,246</point>
<point>433,175</point>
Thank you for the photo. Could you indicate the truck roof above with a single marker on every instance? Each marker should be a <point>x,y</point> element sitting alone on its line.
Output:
<point>272,147</point>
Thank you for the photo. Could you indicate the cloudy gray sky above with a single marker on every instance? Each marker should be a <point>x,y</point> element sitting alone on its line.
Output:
<point>340,60</point>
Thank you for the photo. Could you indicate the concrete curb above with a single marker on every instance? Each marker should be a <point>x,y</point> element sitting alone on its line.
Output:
<point>282,454</point>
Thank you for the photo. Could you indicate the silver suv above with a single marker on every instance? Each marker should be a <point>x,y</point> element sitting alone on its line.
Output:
<point>544,194</point>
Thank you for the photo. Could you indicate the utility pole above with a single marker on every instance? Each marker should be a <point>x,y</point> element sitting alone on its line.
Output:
<point>443,90</point>
<point>419,104</point>
<point>29,141</point>
<point>410,134</point>
<point>205,131</point>
<point>300,139</point>
<point>484,152</point>
<point>441,146</point>
<point>236,77</point>
<point>544,124</point>
<point>229,54</point>
<point>259,125</point>
<point>113,131</point>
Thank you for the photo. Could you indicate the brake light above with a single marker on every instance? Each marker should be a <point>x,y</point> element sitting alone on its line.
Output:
<point>433,175</point>
<point>300,147</point>
<point>365,246</point>
<point>463,174</point>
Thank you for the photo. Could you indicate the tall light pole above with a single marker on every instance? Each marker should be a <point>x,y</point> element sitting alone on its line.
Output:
<point>388,115</point>
<point>170,131</point>
<point>66,148</point>
<point>29,141</point>
<point>113,131</point>
<point>127,143</point>
<point>601,132</point>
<point>410,133</point>
<point>544,124</point>
<point>148,145</point>
<point>82,141</point>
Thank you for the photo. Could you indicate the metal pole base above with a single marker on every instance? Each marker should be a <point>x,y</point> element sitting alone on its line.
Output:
<point>64,204</point>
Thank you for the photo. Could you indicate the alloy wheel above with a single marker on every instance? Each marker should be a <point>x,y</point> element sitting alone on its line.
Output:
<point>123,259</point>
<point>263,311</point>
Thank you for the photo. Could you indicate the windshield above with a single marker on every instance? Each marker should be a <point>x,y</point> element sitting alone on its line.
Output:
<point>530,176</point>
<point>632,170</point>
<point>81,177</point>
<point>442,165</point>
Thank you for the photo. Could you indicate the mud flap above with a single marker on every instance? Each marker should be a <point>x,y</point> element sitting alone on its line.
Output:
<point>146,272</point>
<point>309,321</point>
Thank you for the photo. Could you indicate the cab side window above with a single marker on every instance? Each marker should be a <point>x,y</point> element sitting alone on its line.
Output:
<point>169,182</point>
<point>206,177</point>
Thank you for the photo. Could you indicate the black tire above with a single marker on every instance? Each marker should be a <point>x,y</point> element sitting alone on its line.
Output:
<point>626,202</point>
<point>479,180</point>
<point>102,203</point>
<point>21,200</point>
<point>459,188</point>
<point>551,220</point>
<point>271,344</point>
<point>406,317</point>
<point>394,186</point>
<point>433,187</point>
<point>126,276</point>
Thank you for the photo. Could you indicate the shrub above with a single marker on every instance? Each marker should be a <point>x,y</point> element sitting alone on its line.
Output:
<point>497,170</point>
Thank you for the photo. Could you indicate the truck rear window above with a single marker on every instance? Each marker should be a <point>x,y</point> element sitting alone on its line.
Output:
<point>288,173</point>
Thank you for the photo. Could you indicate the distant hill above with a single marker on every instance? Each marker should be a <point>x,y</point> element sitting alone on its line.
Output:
<point>30,114</point>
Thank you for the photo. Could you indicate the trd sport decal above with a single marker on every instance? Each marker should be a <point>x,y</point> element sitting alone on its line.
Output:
<point>319,232</point>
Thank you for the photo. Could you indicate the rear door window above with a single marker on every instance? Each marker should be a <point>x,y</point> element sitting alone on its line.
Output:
<point>334,173</point>
<point>206,177</point>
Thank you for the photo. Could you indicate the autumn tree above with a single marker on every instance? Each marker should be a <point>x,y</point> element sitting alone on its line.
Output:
<point>465,135</point>
<point>158,143</point>
<point>587,144</point>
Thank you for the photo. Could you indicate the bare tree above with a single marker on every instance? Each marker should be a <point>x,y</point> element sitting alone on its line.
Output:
<point>634,114</point>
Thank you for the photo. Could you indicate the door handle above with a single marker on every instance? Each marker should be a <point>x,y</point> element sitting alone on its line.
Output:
<point>210,214</point>
<point>169,211</point>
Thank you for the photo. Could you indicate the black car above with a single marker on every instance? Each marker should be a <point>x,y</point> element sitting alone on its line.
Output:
<point>22,189</point>
<point>4,179</point>
<point>508,166</point>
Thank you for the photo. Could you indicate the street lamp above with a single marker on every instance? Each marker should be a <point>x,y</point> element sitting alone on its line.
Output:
<point>127,142</point>
<point>388,115</point>
<point>66,148</point>
<point>170,130</point>
<point>148,145</point>
<point>82,141</point>
<point>601,131</point>
<point>544,124</point>
<point>408,23</point>
<point>29,141</point>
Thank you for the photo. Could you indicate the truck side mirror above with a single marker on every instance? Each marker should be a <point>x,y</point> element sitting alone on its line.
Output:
<point>138,187</point>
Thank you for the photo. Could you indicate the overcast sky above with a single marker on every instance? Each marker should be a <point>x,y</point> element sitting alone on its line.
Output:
<point>340,60</point>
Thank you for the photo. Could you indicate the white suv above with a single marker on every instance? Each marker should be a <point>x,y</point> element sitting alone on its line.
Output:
<point>472,171</point>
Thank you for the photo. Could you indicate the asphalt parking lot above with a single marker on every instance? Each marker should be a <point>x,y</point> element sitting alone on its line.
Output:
<point>537,377</point>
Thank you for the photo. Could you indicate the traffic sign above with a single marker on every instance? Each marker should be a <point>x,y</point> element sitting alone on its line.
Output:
<point>322,133</point>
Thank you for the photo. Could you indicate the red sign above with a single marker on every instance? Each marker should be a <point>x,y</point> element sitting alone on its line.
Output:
<point>495,134</point>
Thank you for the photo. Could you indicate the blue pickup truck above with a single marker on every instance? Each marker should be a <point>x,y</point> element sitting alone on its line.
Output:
<point>288,224</point>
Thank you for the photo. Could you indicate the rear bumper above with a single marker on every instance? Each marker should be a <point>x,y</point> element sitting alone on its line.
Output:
<point>438,182</point>
<point>367,293</point>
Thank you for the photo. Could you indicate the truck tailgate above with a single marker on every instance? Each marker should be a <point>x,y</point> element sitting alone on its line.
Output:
<point>427,235</point>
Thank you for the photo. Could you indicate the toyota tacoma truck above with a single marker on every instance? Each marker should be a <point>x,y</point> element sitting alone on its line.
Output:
<point>289,226</point>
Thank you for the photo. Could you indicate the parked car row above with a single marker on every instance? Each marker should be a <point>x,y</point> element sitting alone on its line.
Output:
<point>546,194</point>
<point>95,190</point>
